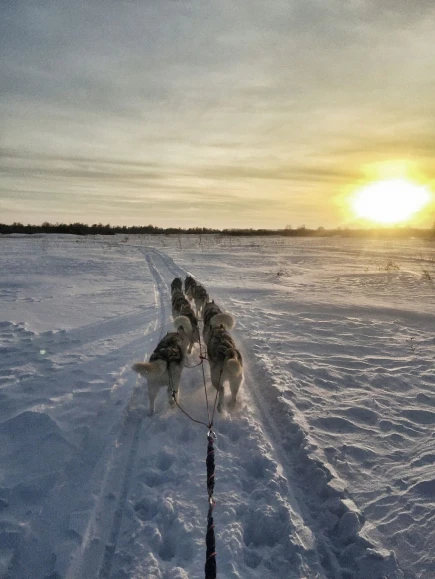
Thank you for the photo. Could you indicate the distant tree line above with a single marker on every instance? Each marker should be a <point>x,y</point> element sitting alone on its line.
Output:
<point>98,229</point>
<point>302,231</point>
<point>381,232</point>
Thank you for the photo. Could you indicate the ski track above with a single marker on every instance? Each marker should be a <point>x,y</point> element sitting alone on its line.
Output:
<point>110,547</point>
<point>96,553</point>
<point>101,456</point>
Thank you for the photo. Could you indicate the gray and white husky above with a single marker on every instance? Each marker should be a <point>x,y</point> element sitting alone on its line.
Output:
<point>181,307</point>
<point>187,311</point>
<point>166,363</point>
<point>226,364</point>
<point>178,300</point>
<point>200,297</point>
<point>210,311</point>
<point>189,286</point>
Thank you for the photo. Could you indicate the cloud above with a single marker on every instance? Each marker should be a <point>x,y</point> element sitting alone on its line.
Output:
<point>184,99</point>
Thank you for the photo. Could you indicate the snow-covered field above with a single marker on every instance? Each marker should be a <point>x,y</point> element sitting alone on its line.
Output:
<point>325,468</point>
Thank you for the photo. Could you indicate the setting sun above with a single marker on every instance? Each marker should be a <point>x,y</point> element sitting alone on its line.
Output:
<point>390,201</point>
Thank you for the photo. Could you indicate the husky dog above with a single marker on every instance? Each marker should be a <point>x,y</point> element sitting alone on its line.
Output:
<point>176,284</point>
<point>201,298</point>
<point>181,307</point>
<point>189,286</point>
<point>210,311</point>
<point>178,301</point>
<point>226,362</point>
<point>186,310</point>
<point>166,362</point>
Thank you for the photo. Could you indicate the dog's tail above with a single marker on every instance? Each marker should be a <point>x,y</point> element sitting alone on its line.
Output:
<point>233,364</point>
<point>145,368</point>
<point>225,319</point>
<point>184,322</point>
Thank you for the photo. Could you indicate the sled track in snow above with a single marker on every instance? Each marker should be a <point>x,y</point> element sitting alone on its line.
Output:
<point>95,556</point>
<point>110,548</point>
<point>331,566</point>
<point>323,504</point>
<point>327,509</point>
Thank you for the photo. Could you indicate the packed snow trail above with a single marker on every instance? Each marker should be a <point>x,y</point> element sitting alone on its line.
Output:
<point>163,268</point>
<point>314,494</point>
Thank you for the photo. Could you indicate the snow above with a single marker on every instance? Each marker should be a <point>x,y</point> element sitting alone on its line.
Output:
<point>325,468</point>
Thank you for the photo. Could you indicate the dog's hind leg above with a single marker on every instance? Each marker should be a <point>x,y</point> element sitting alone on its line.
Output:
<point>174,376</point>
<point>190,346</point>
<point>217,381</point>
<point>152,394</point>
<point>235,382</point>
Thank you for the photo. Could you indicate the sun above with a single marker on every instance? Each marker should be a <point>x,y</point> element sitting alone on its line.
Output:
<point>390,201</point>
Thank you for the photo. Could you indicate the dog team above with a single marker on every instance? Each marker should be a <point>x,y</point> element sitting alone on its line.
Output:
<point>166,363</point>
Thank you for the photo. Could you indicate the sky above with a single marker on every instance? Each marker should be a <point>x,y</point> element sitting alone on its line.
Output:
<point>226,113</point>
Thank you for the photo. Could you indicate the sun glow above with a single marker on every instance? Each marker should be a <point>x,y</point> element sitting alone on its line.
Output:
<point>390,201</point>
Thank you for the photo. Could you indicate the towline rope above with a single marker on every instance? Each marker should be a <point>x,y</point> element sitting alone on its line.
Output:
<point>175,392</point>
<point>210,567</point>
<point>210,541</point>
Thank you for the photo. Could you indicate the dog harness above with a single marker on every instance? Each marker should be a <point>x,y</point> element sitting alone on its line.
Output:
<point>169,349</point>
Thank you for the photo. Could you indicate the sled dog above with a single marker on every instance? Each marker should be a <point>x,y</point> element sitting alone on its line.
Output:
<point>186,310</point>
<point>181,307</point>
<point>178,300</point>
<point>166,363</point>
<point>226,362</point>
<point>176,284</point>
<point>189,286</point>
<point>200,297</point>
<point>212,310</point>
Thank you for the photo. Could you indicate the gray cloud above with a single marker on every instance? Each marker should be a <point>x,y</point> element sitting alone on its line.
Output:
<point>183,99</point>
